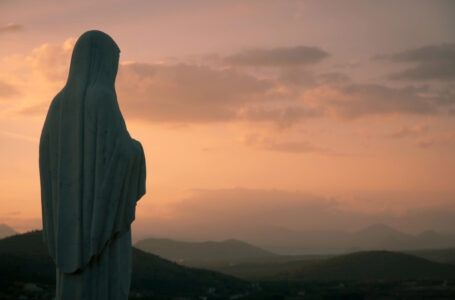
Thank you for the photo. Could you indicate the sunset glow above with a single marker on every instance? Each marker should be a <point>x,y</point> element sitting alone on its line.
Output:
<point>254,115</point>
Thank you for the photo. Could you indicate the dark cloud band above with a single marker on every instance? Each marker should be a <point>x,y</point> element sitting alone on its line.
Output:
<point>283,56</point>
<point>433,62</point>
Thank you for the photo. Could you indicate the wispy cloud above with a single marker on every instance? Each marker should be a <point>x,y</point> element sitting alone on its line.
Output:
<point>292,146</point>
<point>283,117</point>
<point>432,62</point>
<point>353,101</point>
<point>282,56</point>
<point>10,27</point>
<point>198,93</point>
<point>7,90</point>
<point>186,93</point>
<point>406,131</point>
<point>442,138</point>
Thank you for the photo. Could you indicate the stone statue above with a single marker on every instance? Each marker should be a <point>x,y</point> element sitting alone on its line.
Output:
<point>92,174</point>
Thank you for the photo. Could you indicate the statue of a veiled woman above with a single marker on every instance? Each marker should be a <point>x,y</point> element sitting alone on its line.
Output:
<point>92,174</point>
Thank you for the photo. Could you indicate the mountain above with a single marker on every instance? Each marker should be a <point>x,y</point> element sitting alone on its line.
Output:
<point>293,242</point>
<point>380,236</point>
<point>197,252</point>
<point>438,255</point>
<point>5,231</point>
<point>431,239</point>
<point>24,258</point>
<point>373,265</point>
<point>374,237</point>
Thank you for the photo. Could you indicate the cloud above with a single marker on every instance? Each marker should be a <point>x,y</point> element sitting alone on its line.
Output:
<point>251,206</point>
<point>172,93</point>
<point>297,77</point>
<point>270,144</point>
<point>10,213</point>
<point>358,100</point>
<point>441,139</point>
<point>10,27</point>
<point>293,147</point>
<point>202,94</point>
<point>52,60</point>
<point>428,71</point>
<point>282,117</point>
<point>432,53</point>
<point>426,142</point>
<point>37,77</point>
<point>434,62</point>
<point>197,93</point>
<point>35,109</point>
<point>302,78</point>
<point>406,131</point>
<point>282,56</point>
<point>186,93</point>
<point>333,78</point>
<point>7,90</point>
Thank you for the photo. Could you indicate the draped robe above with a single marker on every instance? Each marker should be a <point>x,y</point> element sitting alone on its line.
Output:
<point>92,174</point>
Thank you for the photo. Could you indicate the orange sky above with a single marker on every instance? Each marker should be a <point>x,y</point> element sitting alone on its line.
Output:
<point>297,114</point>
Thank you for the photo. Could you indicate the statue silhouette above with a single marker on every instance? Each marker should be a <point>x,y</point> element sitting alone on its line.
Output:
<point>92,174</point>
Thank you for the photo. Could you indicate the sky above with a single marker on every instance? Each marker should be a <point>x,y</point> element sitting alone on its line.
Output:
<point>254,114</point>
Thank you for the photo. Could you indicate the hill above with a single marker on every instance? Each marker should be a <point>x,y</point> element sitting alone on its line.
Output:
<point>192,253</point>
<point>262,269</point>
<point>6,231</point>
<point>380,236</point>
<point>373,265</point>
<point>24,258</point>
<point>438,255</point>
<point>374,237</point>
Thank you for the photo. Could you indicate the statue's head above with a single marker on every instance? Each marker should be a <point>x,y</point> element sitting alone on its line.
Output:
<point>94,60</point>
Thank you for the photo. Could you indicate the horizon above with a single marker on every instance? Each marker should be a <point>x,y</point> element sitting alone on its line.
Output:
<point>376,237</point>
<point>443,240</point>
<point>254,115</point>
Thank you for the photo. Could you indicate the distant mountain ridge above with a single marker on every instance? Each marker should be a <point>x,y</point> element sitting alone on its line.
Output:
<point>278,240</point>
<point>184,252</point>
<point>374,237</point>
<point>6,231</point>
<point>383,237</point>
